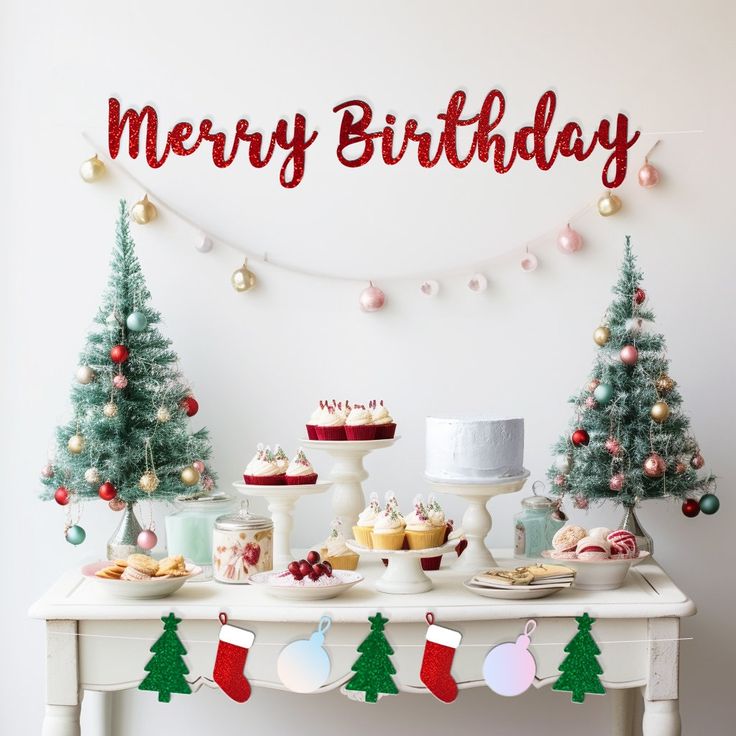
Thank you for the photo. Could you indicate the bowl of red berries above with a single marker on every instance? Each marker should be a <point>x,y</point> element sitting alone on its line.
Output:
<point>308,579</point>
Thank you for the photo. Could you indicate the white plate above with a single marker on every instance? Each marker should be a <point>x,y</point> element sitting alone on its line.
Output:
<point>388,553</point>
<point>348,444</point>
<point>598,574</point>
<point>347,579</point>
<point>520,593</point>
<point>153,588</point>
<point>285,491</point>
<point>510,480</point>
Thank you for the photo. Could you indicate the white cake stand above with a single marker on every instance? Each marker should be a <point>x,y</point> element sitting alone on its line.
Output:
<point>477,520</point>
<point>404,574</point>
<point>281,502</point>
<point>348,474</point>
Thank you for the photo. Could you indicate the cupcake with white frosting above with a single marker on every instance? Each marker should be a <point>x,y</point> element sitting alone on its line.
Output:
<point>421,533</point>
<point>336,552</point>
<point>300,471</point>
<point>314,421</point>
<point>262,470</point>
<point>359,424</point>
<point>280,458</point>
<point>388,530</point>
<point>383,421</point>
<point>366,521</point>
<point>331,424</point>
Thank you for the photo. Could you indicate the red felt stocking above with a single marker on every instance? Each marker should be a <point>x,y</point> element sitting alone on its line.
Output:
<point>232,651</point>
<point>439,651</point>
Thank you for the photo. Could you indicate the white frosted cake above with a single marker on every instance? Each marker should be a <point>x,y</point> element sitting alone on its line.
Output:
<point>474,449</point>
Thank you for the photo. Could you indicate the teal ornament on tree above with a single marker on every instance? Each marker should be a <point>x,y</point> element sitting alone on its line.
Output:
<point>373,669</point>
<point>580,669</point>
<point>603,393</point>
<point>166,669</point>
<point>75,535</point>
<point>709,503</point>
<point>304,665</point>
<point>137,321</point>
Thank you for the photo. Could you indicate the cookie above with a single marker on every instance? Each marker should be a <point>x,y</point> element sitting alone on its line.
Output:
<point>143,563</point>
<point>121,563</point>
<point>172,566</point>
<point>110,573</point>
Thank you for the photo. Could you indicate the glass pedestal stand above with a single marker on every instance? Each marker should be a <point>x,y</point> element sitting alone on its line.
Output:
<point>281,502</point>
<point>477,521</point>
<point>347,475</point>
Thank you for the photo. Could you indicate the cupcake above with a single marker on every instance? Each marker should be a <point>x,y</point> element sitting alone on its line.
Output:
<point>262,470</point>
<point>383,421</point>
<point>388,530</point>
<point>335,551</point>
<point>314,421</point>
<point>139,567</point>
<point>359,424</point>
<point>437,519</point>
<point>366,521</point>
<point>331,424</point>
<point>420,532</point>
<point>280,458</point>
<point>300,471</point>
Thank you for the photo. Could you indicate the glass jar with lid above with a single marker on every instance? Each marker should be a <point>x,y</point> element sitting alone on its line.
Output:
<point>189,529</point>
<point>537,522</point>
<point>242,545</point>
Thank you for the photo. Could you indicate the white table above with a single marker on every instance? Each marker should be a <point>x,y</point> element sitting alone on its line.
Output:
<point>637,628</point>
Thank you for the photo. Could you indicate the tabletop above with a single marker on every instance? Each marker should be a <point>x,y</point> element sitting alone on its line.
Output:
<point>648,592</point>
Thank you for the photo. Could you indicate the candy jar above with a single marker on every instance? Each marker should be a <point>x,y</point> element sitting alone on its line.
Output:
<point>535,525</point>
<point>189,530</point>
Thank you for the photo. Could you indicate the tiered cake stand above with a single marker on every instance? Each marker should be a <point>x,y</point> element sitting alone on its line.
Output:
<point>348,474</point>
<point>281,502</point>
<point>477,520</point>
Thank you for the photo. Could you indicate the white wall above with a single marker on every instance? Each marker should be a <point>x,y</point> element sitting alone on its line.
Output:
<point>259,361</point>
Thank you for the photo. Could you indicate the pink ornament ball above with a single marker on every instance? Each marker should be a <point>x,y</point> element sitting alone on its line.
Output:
<point>117,504</point>
<point>47,471</point>
<point>629,355</point>
<point>560,480</point>
<point>590,402</point>
<point>147,539</point>
<point>648,176</point>
<point>199,466</point>
<point>207,483</point>
<point>372,299</point>
<point>529,262</point>
<point>613,446</point>
<point>617,482</point>
<point>593,385</point>
<point>569,240</point>
<point>581,502</point>
<point>119,381</point>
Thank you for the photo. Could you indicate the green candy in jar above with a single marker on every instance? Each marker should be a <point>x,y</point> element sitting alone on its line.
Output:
<point>537,522</point>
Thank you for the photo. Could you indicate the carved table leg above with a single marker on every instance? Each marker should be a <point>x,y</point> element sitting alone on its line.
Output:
<point>62,680</point>
<point>623,711</point>
<point>661,705</point>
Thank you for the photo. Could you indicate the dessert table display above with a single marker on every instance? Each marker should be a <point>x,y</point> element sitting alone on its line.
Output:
<point>96,642</point>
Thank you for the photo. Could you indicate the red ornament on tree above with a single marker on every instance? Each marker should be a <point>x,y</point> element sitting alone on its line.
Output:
<point>640,296</point>
<point>119,354</point>
<point>107,491</point>
<point>580,437</point>
<point>61,496</point>
<point>690,507</point>
<point>190,405</point>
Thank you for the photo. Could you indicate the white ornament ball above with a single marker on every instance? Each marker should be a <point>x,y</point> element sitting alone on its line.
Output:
<point>110,409</point>
<point>92,476</point>
<point>634,325</point>
<point>429,288</point>
<point>563,463</point>
<point>76,443</point>
<point>86,374</point>
<point>205,245</point>
<point>477,283</point>
<point>163,414</point>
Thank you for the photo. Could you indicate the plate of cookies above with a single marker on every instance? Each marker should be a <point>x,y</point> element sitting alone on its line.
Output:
<point>141,576</point>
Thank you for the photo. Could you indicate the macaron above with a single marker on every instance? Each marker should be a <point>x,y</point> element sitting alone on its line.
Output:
<point>566,539</point>
<point>623,544</point>
<point>591,548</point>
<point>599,532</point>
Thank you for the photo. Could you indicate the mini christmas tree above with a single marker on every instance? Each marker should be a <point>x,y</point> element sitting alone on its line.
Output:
<point>128,438</point>
<point>166,668</point>
<point>629,439</point>
<point>580,669</point>
<point>374,668</point>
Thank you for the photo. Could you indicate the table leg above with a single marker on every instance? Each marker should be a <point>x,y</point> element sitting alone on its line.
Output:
<point>622,718</point>
<point>62,680</point>
<point>661,704</point>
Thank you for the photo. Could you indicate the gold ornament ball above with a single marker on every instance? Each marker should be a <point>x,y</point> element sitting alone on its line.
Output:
<point>75,444</point>
<point>660,411</point>
<point>163,414</point>
<point>601,335</point>
<point>92,169</point>
<point>148,482</point>
<point>664,384</point>
<point>243,279</point>
<point>609,204</point>
<point>110,409</point>
<point>144,211</point>
<point>189,476</point>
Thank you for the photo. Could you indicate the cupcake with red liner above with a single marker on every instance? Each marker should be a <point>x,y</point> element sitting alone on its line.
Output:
<point>314,421</point>
<point>383,421</point>
<point>300,471</point>
<point>262,470</point>
<point>359,424</point>
<point>331,424</point>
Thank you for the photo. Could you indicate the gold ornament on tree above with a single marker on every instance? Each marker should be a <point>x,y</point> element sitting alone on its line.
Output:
<point>92,169</point>
<point>189,476</point>
<point>664,384</point>
<point>602,335</point>
<point>110,409</point>
<point>163,414</point>
<point>144,211</point>
<point>75,445</point>
<point>243,279</point>
<point>609,204</point>
<point>149,481</point>
<point>660,411</point>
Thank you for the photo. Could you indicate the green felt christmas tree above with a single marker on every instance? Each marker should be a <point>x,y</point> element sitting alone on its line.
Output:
<point>166,668</point>
<point>580,669</point>
<point>629,439</point>
<point>129,435</point>
<point>373,669</point>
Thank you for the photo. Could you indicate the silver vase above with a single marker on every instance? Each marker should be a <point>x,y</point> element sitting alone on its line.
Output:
<point>124,540</point>
<point>630,523</point>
